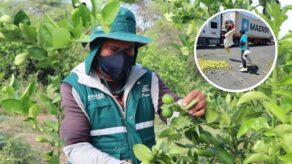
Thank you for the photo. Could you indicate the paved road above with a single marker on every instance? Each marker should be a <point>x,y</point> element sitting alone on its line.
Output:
<point>262,56</point>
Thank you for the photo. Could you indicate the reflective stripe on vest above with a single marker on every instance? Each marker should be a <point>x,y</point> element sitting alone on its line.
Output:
<point>120,129</point>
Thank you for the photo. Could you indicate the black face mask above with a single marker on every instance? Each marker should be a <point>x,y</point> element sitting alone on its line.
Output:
<point>117,66</point>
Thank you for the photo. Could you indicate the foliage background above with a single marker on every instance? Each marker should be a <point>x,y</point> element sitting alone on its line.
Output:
<point>234,123</point>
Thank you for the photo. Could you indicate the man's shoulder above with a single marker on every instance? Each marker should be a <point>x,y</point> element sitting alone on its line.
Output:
<point>140,69</point>
<point>72,76</point>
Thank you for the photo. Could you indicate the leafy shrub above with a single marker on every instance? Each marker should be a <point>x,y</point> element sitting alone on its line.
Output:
<point>15,151</point>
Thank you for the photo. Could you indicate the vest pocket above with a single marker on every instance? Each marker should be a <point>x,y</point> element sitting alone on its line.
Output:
<point>102,114</point>
<point>98,104</point>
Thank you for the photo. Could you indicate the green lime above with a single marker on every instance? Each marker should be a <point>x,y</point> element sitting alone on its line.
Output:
<point>167,112</point>
<point>167,99</point>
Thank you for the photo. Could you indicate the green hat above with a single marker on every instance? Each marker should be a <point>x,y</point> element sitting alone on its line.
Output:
<point>123,28</point>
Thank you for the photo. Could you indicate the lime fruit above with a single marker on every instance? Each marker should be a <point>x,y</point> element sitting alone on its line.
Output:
<point>167,99</point>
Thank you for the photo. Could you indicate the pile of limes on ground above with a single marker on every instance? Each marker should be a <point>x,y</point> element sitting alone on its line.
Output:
<point>207,64</point>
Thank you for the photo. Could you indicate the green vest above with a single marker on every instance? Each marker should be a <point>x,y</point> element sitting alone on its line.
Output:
<point>114,131</point>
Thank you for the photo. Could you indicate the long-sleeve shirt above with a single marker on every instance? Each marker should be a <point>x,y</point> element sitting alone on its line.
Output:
<point>75,127</point>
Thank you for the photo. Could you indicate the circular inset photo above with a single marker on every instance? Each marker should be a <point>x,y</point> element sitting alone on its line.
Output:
<point>235,50</point>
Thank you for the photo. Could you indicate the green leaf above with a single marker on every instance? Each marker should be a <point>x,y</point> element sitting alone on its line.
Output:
<point>260,147</point>
<point>225,120</point>
<point>289,63</point>
<point>12,81</point>
<point>283,129</point>
<point>5,19</point>
<point>274,10</point>
<point>228,98</point>
<point>85,15</point>
<point>50,21</point>
<point>10,91</point>
<point>28,32</point>
<point>81,17</point>
<point>185,51</point>
<point>45,36</point>
<point>77,30</point>
<point>254,123</point>
<point>252,95</point>
<point>30,89</point>
<point>209,152</point>
<point>52,88</point>
<point>38,53</point>
<point>20,59</point>
<point>285,93</point>
<point>33,112</point>
<point>11,32</point>
<point>257,157</point>
<point>180,122</point>
<point>11,105</point>
<point>287,142</point>
<point>60,38</point>
<point>94,6</point>
<point>287,81</point>
<point>110,11</point>
<point>21,17</point>
<point>286,158</point>
<point>211,115</point>
<point>243,114</point>
<point>57,99</point>
<point>143,153</point>
<point>166,132</point>
<point>47,102</point>
<point>276,111</point>
<point>224,156</point>
<point>25,104</point>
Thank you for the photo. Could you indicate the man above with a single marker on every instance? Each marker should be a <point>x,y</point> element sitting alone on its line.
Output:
<point>243,46</point>
<point>110,101</point>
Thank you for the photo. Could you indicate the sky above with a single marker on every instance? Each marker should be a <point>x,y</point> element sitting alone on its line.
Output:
<point>286,26</point>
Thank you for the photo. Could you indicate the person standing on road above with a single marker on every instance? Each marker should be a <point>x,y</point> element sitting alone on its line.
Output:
<point>243,46</point>
<point>110,101</point>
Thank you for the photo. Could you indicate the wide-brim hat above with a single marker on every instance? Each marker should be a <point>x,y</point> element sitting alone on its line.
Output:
<point>123,28</point>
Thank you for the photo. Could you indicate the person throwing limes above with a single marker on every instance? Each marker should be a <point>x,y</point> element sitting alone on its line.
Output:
<point>243,46</point>
<point>110,101</point>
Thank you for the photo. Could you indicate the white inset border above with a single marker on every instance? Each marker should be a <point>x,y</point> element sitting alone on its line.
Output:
<point>233,90</point>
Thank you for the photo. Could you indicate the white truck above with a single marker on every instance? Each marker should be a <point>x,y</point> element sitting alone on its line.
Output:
<point>211,32</point>
<point>257,31</point>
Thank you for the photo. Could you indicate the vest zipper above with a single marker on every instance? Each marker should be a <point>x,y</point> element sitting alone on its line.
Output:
<point>125,124</point>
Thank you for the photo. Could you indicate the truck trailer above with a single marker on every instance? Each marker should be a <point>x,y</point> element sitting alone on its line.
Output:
<point>257,31</point>
<point>211,32</point>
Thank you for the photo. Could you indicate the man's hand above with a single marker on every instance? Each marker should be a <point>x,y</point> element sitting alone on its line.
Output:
<point>200,107</point>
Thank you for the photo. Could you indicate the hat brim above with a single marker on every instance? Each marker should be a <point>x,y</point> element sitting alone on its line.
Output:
<point>140,40</point>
